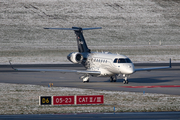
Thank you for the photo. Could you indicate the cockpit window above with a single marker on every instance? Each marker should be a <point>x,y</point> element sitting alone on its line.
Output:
<point>116,60</point>
<point>122,60</point>
<point>128,60</point>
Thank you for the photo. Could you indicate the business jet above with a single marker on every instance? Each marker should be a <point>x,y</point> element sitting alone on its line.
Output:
<point>97,64</point>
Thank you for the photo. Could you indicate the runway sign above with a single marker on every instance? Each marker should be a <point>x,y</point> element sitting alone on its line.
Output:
<point>45,100</point>
<point>71,100</point>
<point>90,99</point>
<point>63,100</point>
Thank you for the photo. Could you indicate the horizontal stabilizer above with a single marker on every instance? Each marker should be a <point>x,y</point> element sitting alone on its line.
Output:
<point>91,28</point>
<point>75,28</point>
<point>62,28</point>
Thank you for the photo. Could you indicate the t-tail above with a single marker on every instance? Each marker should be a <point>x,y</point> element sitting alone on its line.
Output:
<point>81,43</point>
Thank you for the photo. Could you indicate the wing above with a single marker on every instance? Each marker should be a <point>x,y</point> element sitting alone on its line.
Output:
<point>154,68</point>
<point>57,70</point>
<point>60,70</point>
<point>149,69</point>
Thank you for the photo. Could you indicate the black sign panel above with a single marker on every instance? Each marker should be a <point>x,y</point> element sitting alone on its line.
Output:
<point>45,100</point>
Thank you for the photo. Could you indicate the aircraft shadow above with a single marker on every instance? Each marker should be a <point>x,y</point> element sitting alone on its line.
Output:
<point>158,79</point>
<point>1,71</point>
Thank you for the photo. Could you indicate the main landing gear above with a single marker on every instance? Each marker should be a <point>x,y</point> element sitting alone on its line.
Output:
<point>85,78</point>
<point>113,78</point>
<point>125,79</point>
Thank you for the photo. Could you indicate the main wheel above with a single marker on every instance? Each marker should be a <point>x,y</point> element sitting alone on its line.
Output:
<point>85,79</point>
<point>111,79</point>
<point>127,81</point>
<point>124,82</point>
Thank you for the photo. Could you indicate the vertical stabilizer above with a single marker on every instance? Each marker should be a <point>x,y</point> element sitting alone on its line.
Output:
<point>81,43</point>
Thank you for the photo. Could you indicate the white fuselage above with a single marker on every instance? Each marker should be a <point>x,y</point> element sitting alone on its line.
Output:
<point>109,64</point>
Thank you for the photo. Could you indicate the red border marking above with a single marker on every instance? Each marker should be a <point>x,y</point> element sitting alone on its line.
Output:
<point>158,86</point>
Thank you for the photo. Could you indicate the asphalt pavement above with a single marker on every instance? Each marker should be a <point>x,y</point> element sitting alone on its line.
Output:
<point>98,116</point>
<point>166,77</point>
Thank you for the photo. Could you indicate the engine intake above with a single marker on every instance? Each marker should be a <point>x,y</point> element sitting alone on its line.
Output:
<point>75,57</point>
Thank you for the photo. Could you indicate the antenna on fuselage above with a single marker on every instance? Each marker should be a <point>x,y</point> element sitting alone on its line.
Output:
<point>82,46</point>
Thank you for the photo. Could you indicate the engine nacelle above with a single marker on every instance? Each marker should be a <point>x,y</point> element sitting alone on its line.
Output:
<point>75,57</point>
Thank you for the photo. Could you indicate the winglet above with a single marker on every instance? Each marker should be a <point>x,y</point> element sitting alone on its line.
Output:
<point>11,65</point>
<point>170,63</point>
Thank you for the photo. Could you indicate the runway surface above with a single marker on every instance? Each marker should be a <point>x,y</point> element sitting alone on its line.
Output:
<point>96,116</point>
<point>138,82</point>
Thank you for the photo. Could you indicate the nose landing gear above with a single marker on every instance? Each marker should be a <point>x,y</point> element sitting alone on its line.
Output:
<point>125,79</point>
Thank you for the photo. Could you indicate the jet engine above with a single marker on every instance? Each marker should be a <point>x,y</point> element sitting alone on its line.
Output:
<point>75,57</point>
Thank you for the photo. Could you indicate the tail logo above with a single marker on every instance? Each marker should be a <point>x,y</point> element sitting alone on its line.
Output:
<point>81,42</point>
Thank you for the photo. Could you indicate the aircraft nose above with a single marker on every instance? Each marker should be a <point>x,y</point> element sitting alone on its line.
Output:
<point>129,69</point>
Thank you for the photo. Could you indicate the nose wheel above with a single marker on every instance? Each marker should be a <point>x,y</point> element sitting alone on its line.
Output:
<point>125,82</point>
<point>125,79</point>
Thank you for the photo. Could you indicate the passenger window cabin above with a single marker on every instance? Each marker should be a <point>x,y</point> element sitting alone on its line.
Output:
<point>100,60</point>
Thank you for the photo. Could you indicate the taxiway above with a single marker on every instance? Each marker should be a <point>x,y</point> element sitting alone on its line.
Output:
<point>167,77</point>
<point>98,116</point>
